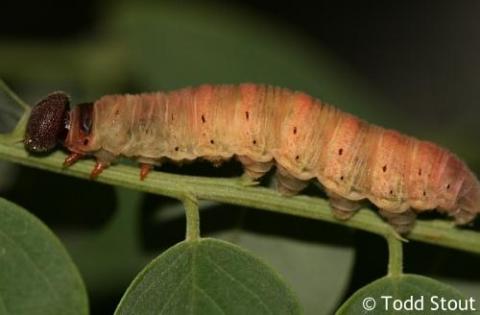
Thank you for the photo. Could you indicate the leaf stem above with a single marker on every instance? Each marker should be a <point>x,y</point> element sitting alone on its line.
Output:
<point>230,190</point>
<point>395,255</point>
<point>190,203</point>
<point>5,88</point>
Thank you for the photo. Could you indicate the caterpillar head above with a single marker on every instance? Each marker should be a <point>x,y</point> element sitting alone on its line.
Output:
<point>48,123</point>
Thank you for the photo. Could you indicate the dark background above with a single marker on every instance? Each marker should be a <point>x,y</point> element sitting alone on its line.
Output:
<point>413,52</point>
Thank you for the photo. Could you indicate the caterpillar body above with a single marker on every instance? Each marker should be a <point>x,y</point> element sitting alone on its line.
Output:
<point>263,126</point>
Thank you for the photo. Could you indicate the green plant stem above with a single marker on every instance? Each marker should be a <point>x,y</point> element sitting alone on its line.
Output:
<point>231,190</point>
<point>190,203</point>
<point>395,255</point>
<point>5,88</point>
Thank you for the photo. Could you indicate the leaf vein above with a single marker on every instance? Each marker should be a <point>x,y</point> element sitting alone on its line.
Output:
<point>215,303</point>
<point>235,280</point>
<point>157,277</point>
<point>172,294</point>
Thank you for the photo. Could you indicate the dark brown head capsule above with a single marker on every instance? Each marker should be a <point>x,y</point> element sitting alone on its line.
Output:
<point>48,123</point>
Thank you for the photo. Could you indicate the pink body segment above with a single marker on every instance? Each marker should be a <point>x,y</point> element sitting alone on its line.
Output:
<point>263,126</point>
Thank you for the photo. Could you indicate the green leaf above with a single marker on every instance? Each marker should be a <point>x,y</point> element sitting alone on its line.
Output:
<point>314,269</point>
<point>312,264</point>
<point>207,277</point>
<point>468,287</point>
<point>413,294</point>
<point>36,274</point>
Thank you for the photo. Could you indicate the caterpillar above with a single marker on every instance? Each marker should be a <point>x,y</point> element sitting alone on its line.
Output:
<point>263,126</point>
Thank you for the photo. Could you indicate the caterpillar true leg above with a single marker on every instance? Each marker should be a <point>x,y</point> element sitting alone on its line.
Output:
<point>98,168</point>
<point>342,208</point>
<point>72,158</point>
<point>402,222</point>
<point>104,158</point>
<point>145,168</point>
<point>287,184</point>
